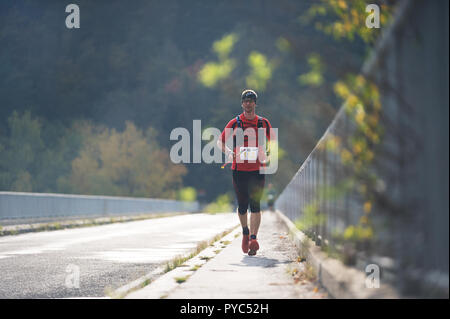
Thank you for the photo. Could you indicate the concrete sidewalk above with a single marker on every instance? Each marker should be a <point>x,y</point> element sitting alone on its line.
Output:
<point>224,271</point>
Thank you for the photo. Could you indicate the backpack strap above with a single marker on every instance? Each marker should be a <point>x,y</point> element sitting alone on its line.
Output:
<point>260,122</point>
<point>239,124</point>
<point>260,125</point>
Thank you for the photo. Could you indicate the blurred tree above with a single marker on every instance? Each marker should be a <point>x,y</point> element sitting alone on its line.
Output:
<point>212,72</point>
<point>187,194</point>
<point>346,19</point>
<point>222,204</point>
<point>128,61</point>
<point>130,163</point>
<point>313,78</point>
<point>20,152</point>
<point>260,71</point>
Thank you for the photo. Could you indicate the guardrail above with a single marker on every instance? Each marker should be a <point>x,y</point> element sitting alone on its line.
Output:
<point>15,205</point>
<point>386,202</point>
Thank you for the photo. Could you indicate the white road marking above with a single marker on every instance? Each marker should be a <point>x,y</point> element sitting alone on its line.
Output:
<point>160,250</point>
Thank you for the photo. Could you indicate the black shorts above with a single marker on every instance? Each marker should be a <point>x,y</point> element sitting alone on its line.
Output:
<point>248,187</point>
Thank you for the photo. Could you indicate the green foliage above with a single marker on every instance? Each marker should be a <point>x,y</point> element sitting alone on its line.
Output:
<point>187,194</point>
<point>363,106</point>
<point>23,182</point>
<point>224,46</point>
<point>260,71</point>
<point>310,218</point>
<point>220,205</point>
<point>314,77</point>
<point>283,44</point>
<point>163,71</point>
<point>358,153</point>
<point>130,163</point>
<point>345,19</point>
<point>19,154</point>
<point>86,159</point>
<point>358,233</point>
<point>22,152</point>
<point>213,72</point>
<point>180,280</point>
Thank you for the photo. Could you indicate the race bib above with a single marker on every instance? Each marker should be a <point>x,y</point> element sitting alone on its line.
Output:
<point>248,153</point>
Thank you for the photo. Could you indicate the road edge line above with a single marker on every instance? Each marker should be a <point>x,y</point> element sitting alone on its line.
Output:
<point>147,279</point>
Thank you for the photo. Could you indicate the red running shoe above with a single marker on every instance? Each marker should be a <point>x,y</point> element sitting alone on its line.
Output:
<point>253,247</point>
<point>245,239</point>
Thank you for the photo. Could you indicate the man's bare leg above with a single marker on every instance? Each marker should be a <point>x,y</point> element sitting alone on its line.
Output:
<point>245,232</point>
<point>243,219</point>
<point>255,221</point>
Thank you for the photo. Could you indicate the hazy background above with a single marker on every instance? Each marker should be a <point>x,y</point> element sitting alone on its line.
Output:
<point>90,110</point>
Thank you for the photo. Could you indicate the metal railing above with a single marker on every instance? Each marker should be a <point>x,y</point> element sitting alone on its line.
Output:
<point>395,214</point>
<point>15,205</point>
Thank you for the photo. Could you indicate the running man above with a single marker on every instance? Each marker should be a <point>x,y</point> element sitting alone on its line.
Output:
<point>270,196</point>
<point>247,159</point>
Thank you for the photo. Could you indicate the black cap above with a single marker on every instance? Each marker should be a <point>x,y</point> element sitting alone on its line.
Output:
<point>249,94</point>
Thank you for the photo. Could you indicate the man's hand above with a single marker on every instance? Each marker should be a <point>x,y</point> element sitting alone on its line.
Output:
<point>262,156</point>
<point>231,156</point>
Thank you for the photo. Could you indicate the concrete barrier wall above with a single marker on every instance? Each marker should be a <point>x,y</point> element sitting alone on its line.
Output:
<point>15,205</point>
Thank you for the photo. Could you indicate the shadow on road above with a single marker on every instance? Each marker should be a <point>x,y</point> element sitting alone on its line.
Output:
<point>256,261</point>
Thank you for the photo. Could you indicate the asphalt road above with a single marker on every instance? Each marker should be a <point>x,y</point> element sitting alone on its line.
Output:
<point>88,262</point>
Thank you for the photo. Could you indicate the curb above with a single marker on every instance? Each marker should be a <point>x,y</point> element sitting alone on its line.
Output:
<point>341,281</point>
<point>160,274</point>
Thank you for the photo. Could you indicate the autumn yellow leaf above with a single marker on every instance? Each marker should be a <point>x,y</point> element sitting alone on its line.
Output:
<point>357,148</point>
<point>352,100</point>
<point>367,207</point>
<point>342,4</point>
<point>346,156</point>
<point>364,220</point>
